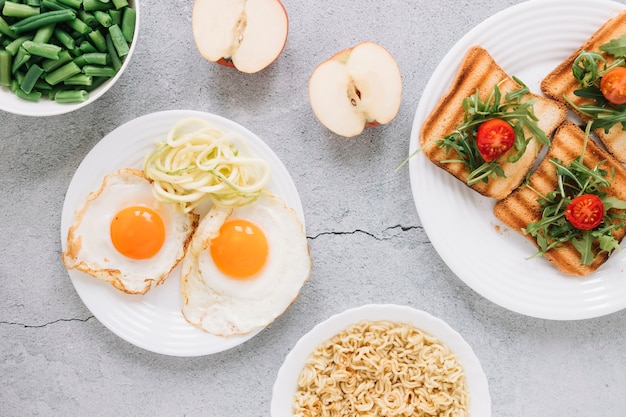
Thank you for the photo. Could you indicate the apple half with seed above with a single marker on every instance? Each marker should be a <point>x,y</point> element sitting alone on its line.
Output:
<point>357,88</point>
<point>245,34</point>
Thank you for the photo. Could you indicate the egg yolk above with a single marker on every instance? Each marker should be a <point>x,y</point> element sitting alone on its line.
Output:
<point>240,250</point>
<point>137,232</point>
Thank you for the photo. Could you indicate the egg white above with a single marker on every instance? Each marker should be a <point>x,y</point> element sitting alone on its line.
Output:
<point>224,306</point>
<point>89,245</point>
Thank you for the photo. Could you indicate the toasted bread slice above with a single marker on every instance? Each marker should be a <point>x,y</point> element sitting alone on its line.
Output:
<point>521,208</point>
<point>479,72</point>
<point>561,82</point>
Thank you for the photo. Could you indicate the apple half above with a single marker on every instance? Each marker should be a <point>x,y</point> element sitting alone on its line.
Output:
<point>357,88</point>
<point>245,34</point>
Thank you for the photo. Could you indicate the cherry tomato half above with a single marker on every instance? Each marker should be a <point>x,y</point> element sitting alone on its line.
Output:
<point>585,212</point>
<point>613,85</point>
<point>493,138</point>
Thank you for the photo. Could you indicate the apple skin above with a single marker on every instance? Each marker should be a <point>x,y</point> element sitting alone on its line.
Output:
<point>249,40</point>
<point>356,89</point>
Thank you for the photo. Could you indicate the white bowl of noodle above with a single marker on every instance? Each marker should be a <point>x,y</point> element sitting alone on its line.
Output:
<point>389,351</point>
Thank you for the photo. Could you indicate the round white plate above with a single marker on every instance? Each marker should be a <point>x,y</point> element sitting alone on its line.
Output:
<point>528,41</point>
<point>287,379</point>
<point>154,321</point>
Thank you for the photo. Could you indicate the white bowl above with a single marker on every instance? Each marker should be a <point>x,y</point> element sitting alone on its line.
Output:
<point>9,102</point>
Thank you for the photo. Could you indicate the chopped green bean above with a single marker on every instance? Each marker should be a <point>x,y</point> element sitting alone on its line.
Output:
<point>5,28</point>
<point>116,16</point>
<point>119,42</point>
<point>32,96</point>
<point>86,47</point>
<point>79,79</point>
<point>5,68</point>
<point>129,19</point>
<point>97,38</point>
<point>13,46</point>
<point>103,18</point>
<point>91,5</point>
<point>88,18</point>
<point>72,3</point>
<point>35,3</point>
<point>116,62</point>
<point>50,65</point>
<point>12,9</point>
<point>44,33</point>
<point>64,38</point>
<point>42,19</point>
<point>97,58</point>
<point>71,96</point>
<point>60,74</point>
<point>120,3</point>
<point>98,71</point>
<point>31,77</point>
<point>46,50</point>
<point>79,26</point>
<point>20,58</point>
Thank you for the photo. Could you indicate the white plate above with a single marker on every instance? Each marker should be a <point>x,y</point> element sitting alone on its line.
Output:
<point>528,41</point>
<point>154,321</point>
<point>287,379</point>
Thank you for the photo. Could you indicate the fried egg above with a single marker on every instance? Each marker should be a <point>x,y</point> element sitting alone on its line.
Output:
<point>244,267</point>
<point>123,235</point>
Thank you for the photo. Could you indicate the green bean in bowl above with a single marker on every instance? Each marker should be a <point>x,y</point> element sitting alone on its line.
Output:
<point>57,56</point>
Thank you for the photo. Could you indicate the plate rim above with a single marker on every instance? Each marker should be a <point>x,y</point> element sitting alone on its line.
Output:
<point>74,198</point>
<point>286,377</point>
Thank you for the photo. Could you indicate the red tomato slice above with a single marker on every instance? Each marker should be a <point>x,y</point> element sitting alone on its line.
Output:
<point>493,138</point>
<point>585,212</point>
<point>613,85</point>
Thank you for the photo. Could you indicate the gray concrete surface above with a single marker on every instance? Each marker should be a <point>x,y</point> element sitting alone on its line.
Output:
<point>365,236</point>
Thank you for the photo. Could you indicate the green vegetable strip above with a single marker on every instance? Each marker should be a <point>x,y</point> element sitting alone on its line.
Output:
<point>103,18</point>
<point>119,42</point>
<point>64,38</point>
<point>20,58</point>
<point>116,61</point>
<point>88,18</point>
<point>120,3</point>
<point>79,26</point>
<point>87,47</point>
<point>116,17</point>
<point>62,73</point>
<point>129,19</point>
<point>13,47</point>
<point>97,71</point>
<point>6,29</point>
<point>53,5</point>
<point>32,96</point>
<point>31,77</point>
<point>96,58</point>
<point>91,5</point>
<point>12,9</point>
<point>46,18</point>
<point>5,68</point>
<point>97,38</point>
<point>72,3</point>
<point>45,50</point>
<point>35,3</point>
<point>50,65</point>
<point>44,33</point>
<point>71,96</point>
<point>79,79</point>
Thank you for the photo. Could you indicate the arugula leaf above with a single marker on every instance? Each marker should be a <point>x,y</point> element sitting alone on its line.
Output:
<point>510,107</point>
<point>615,47</point>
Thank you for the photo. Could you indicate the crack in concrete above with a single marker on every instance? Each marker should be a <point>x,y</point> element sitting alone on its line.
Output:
<point>370,234</point>
<point>38,326</point>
